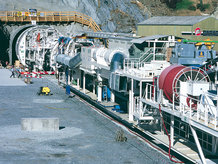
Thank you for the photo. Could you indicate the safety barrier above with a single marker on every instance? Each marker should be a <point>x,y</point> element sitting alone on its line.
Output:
<point>48,16</point>
<point>40,72</point>
<point>191,109</point>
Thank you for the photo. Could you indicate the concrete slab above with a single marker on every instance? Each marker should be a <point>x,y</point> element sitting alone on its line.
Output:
<point>5,79</point>
<point>40,124</point>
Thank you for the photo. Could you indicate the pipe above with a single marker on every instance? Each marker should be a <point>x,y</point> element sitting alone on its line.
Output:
<point>69,61</point>
<point>117,62</point>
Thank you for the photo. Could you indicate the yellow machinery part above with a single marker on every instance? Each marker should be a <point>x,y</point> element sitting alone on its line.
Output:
<point>27,14</point>
<point>208,44</point>
<point>19,13</point>
<point>46,90</point>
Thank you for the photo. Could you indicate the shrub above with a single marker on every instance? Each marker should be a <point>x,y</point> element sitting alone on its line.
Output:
<point>184,4</point>
<point>193,8</point>
<point>203,7</point>
<point>198,6</point>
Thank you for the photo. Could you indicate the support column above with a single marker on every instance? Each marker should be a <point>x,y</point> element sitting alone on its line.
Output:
<point>69,79</point>
<point>99,78</point>
<point>112,96</point>
<point>172,130</point>
<point>84,82</point>
<point>154,49</point>
<point>198,145</point>
<point>78,81</point>
<point>93,83</point>
<point>160,101</point>
<point>140,95</point>
<point>66,75</point>
<point>99,92</point>
<point>131,102</point>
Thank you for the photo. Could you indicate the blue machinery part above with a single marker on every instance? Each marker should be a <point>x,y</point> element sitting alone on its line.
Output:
<point>117,62</point>
<point>106,93</point>
<point>64,40</point>
<point>117,109</point>
<point>116,81</point>
<point>190,55</point>
<point>67,89</point>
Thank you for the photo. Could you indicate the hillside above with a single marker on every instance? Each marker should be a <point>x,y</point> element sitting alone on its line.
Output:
<point>111,15</point>
<point>115,15</point>
<point>180,7</point>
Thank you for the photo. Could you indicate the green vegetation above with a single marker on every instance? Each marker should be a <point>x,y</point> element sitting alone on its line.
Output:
<point>184,4</point>
<point>192,7</point>
<point>202,6</point>
<point>189,5</point>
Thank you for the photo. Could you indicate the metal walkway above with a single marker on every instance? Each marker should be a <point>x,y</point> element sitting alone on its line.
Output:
<point>48,16</point>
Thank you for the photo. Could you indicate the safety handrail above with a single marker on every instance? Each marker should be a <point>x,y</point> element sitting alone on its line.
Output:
<point>147,53</point>
<point>186,108</point>
<point>45,16</point>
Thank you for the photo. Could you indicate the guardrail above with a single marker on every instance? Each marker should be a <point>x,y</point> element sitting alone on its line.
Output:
<point>49,16</point>
<point>192,108</point>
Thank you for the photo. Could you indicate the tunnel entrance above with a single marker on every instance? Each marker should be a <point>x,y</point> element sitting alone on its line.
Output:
<point>4,44</point>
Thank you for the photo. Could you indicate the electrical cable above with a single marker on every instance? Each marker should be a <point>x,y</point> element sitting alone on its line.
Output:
<point>168,137</point>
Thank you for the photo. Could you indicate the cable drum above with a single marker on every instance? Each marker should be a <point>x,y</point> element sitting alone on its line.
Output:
<point>170,78</point>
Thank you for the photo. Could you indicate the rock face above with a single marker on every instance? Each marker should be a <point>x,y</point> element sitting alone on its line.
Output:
<point>215,14</point>
<point>111,15</point>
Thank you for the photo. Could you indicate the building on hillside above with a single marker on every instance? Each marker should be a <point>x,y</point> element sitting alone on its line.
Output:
<point>188,27</point>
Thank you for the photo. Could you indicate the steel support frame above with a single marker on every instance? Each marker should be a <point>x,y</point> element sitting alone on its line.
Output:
<point>69,79</point>
<point>160,101</point>
<point>94,87</point>
<point>172,130</point>
<point>84,82</point>
<point>131,101</point>
<point>140,96</point>
<point>112,96</point>
<point>99,92</point>
<point>78,83</point>
<point>203,160</point>
<point>154,49</point>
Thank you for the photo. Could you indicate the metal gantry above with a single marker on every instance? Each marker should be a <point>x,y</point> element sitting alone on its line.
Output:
<point>48,16</point>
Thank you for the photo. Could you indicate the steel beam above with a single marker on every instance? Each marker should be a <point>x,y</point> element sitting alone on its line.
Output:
<point>172,130</point>
<point>131,102</point>
<point>203,160</point>
<point>84,82</point>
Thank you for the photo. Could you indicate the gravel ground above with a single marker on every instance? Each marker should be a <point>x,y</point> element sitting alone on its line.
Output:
<point>85,136</point>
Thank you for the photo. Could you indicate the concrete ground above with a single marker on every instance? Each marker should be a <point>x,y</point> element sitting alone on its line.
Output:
<point>85,136</point>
